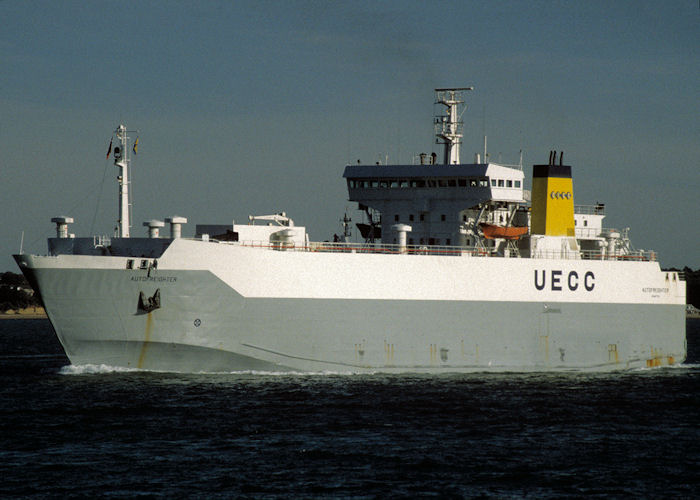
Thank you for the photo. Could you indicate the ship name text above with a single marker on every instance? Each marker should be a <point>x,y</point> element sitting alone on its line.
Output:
<point>559,281</point>
<point>159,279</point>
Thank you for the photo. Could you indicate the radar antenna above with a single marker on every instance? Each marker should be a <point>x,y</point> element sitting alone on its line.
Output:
<point>347,229</point>
<point>121,160</point>
<point>448,126</point>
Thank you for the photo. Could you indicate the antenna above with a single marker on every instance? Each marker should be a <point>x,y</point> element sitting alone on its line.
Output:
<point>121,160</point>
<point>448,127</point>
<point>486,160</point>
<point>347,228</point>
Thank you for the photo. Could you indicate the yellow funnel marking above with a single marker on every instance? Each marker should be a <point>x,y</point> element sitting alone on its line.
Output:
<point>552,201</point>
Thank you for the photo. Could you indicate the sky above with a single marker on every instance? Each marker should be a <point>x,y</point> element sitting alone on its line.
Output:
<point>255,107</point>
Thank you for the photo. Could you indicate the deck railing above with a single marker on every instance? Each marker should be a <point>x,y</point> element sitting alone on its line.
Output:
<point>378,248</point>
<point>598,209</point>
<point>455,251</point>
<point>101,241</point>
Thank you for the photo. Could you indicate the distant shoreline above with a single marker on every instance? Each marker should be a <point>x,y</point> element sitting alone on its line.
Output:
<point>28,313</point>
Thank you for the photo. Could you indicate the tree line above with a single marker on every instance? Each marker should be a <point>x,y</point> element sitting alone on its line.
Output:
<point>692,289</point>
<point>15,293</point>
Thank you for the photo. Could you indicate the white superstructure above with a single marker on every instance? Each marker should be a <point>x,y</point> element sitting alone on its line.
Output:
<point>462,268</point>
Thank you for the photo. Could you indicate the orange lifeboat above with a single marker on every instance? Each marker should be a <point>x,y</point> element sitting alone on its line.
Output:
<point>492,231</point>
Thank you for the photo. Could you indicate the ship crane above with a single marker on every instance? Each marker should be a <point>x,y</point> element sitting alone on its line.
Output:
<point>280,219</point>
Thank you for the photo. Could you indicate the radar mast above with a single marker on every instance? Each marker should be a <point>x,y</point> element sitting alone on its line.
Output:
<point>121,160</point>
<point>448,126</point>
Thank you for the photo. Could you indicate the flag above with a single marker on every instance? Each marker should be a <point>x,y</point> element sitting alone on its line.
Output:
<point>136,145</point>
<point>109,150</point>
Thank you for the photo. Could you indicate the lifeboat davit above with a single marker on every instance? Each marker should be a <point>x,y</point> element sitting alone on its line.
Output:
<point>492,231</point>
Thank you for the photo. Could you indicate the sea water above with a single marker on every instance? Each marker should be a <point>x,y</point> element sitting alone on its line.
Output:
<point>89,431</point>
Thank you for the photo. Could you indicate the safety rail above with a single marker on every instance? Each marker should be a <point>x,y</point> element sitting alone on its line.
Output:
<point>606,232</point>
<point>101,241</point>
<point>379,248</point>
<point>376,248</point>
<point>598,209</point>
<point>588,233</point>
<point>634,256</point>
<point>592,233</point>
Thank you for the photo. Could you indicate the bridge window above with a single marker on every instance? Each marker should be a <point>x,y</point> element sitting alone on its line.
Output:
<point>410,217</point>
<point>452,183</point>
<point>442,183</point>
<point>500,182</point>
<point>472,183</point>
<point>396,217</point>
<point>517,184</point>
<point>509,183</point>
<point>462,182</point>
<point>484,183</point>
<point>494,183</point>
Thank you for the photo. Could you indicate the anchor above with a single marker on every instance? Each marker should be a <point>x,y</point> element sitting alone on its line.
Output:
<point>151,303</point>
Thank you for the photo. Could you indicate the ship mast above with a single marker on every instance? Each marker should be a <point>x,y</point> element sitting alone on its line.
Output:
<point>122,161</point>
<point>448,127</point>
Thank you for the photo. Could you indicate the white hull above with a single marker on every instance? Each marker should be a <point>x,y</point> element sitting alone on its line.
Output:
<point>227,307</point>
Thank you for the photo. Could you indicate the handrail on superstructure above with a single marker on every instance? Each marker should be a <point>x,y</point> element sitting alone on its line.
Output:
<point>101,241</point>
<point>597,209</point>
<point>455,251</point>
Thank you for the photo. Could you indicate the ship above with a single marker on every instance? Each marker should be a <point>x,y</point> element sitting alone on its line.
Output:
<point>460,269</point>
